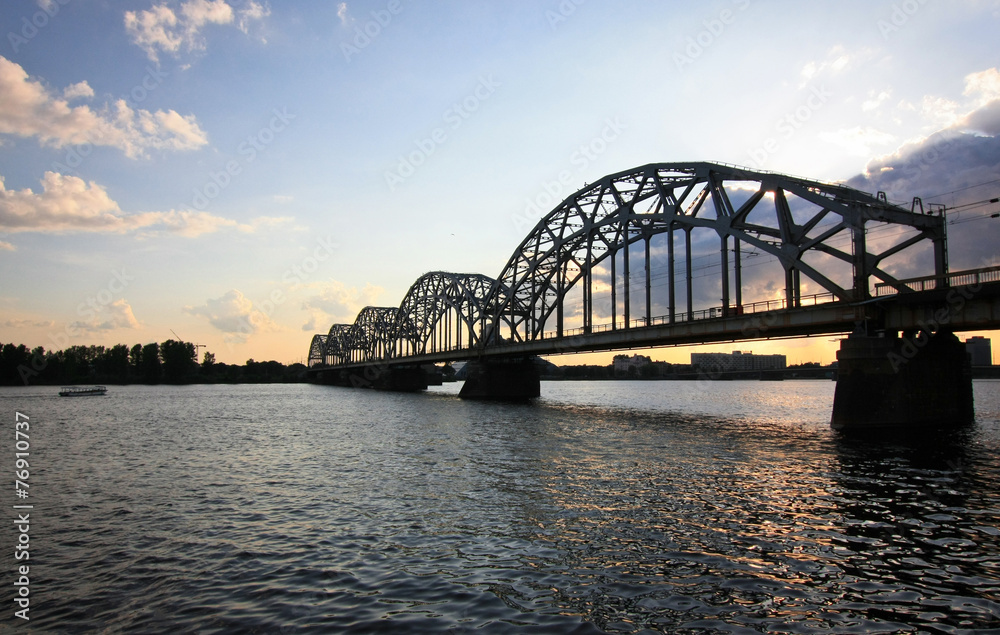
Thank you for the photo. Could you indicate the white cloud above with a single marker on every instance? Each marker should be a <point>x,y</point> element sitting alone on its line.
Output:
<point>183,132</point>
<point>233,314</point>
<point>79,90</point>
<point>20,324</point>
<point>342,13</point>
<point>940,112</point>
<point>198,13</point>
<point>68,204</point>
<point>161,29</point>
<point>984,88</point>
<point>874,101</point>
<point>980,113</point>
<point>252,12</point>
<point>858,140</point>
<point>154,29</point>
<point>335,302</point>
<point>7,246</point>
<point>29,109</point>
<point>117,315</point>
<point>837,60</point>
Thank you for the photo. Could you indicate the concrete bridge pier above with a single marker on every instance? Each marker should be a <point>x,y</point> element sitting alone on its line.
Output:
<point>917,381</point>
<point>401,378</point>
<point>501,379</point>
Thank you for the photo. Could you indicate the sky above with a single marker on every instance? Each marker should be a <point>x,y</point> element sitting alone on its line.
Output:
<point>242,174</point>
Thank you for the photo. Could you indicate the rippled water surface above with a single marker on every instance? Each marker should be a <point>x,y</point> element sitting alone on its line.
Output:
<point>604,506</point>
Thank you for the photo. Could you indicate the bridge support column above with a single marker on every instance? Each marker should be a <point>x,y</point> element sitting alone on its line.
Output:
<point>908,383</point>
<point>380,377</point>
<point>513,380</point>
<point>401,379</point>
<point>433,375</point>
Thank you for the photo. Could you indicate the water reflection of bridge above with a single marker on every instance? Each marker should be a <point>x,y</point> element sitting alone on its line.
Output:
<point>669,254</point>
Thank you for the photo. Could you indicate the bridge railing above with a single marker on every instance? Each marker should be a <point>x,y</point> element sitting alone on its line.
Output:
<point>929,283</point>
<point>764,306</point>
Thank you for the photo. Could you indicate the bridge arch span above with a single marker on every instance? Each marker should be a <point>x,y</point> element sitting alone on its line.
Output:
<point>372,335</point>
<point>590,245</point>
<point>317,350</point>
<point>796,221</point>
<point>442,311</point>
<point>338,346</point>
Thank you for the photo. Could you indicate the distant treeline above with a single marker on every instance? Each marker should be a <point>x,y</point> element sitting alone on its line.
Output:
<point>171,362</point>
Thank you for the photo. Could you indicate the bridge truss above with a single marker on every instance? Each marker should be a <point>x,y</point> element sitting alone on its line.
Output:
<point>625,252</point>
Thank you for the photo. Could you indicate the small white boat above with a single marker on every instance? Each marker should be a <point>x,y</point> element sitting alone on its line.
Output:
<point>82,391</point>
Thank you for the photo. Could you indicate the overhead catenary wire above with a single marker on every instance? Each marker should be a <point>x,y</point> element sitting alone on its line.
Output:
<point>962,189</point>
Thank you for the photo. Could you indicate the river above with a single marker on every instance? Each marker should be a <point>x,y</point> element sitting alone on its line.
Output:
<point>644,506</point>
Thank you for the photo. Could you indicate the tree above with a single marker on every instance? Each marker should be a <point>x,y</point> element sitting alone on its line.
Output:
<point>208,360</point>
<point>179,361</point>
<point>115,363</point>
<point>135,359</point>
<point>11,357</point>
<point>150,369</point>
<point>74,364</point>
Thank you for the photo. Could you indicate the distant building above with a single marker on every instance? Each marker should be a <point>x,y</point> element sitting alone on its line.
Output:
<point>623,364</point>
<point>737,361</point>
<point>980,351</point>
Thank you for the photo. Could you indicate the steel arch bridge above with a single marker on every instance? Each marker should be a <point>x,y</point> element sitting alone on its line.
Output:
<point>597,263</point>
<point>442,311</point>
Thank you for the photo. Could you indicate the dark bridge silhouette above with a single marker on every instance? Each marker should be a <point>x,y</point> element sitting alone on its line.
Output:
<point>657,256</point>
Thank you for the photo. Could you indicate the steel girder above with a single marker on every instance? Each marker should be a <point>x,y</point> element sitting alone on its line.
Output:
<point>338,346</point>
<point>621,209</point>
<point>317,350</point>
<point>442,311</point>
<point>372,335</point>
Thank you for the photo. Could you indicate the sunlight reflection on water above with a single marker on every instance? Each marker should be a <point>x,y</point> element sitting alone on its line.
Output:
<point>605,506</point>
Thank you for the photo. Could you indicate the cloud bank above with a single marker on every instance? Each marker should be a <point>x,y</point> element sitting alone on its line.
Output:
<point>29,109</point>
<point>233,314</point>
<point>118,316</point>
<point>68,204</point>
<point>162,29</point>
<point>335,302</point>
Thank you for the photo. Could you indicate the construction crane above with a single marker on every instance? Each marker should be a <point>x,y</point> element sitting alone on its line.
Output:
<point>196,346</point>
